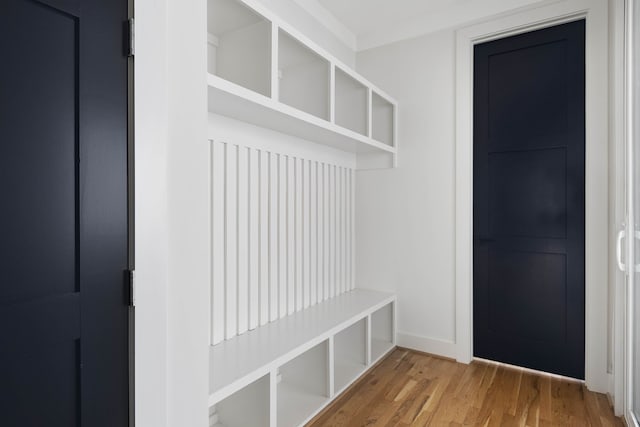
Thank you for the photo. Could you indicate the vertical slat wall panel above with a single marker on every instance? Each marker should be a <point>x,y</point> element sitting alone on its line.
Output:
<point>339,232</point>
<point>312,222</point>
<point>282,235</point>
<point>254,238</point>
<point>346,286</point>
<point>298,238</point>
<point>218,253</point>
<point>291,235</point>
<point>231,241</point>
<point>321,226</point>
<point>333,220</point>
<point>327,231</point>
<point>264,223</point>
<point>352,201</point>
<point>243,240</point>
<point>349,233</point>
<point>306,264</point>
<point>274,236</point>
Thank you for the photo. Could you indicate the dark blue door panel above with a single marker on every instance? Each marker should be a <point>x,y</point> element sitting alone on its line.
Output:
<point>63,186</point>
<point>529,200</point>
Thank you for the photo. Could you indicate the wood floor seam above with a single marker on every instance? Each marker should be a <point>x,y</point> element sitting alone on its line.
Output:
<point>411,388</point>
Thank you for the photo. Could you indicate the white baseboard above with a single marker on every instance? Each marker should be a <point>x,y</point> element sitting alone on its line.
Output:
<point>428,345</point>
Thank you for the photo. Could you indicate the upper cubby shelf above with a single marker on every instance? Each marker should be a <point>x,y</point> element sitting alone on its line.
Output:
<point>262,71</point>
<point>239,45</point>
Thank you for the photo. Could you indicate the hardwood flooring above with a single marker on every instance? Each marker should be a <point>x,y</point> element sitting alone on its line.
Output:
<point>414,389</point>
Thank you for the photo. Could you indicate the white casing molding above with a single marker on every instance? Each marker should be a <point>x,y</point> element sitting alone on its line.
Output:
<point>616,204</point>
<point>596,181</point>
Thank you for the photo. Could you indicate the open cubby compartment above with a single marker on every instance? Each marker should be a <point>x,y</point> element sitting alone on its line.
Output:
<point>382,327</point>
<point>303,386</point>
<point>249,406</point>
<point>351,103</point>
<point>350,354</point>
<point>303,77</point>
<point>383,120</point>
<point>239,45</point>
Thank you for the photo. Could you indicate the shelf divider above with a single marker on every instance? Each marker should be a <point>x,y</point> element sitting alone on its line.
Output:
<point>245,44</point>
<point>275,54</point>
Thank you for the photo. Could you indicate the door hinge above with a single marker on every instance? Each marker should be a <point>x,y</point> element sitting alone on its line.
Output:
<point>132,288</point>
<point>131,39</point>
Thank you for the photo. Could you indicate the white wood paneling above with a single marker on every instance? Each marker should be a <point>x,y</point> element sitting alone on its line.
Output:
<point>218,185</point>
<point>321,226</point>
<point>274,236</point>
<point>243,240</point>
<point>327,232</point>
<point>231,237</point>
<point>254,238</point>
<point>313,233</point>
<point>290,222</point>
<point>282,235</point>
<point>306,279</point>
<point>264,224</point>
<point>297,286</point>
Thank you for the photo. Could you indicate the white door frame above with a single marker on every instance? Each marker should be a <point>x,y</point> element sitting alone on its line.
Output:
<point>630,285</point>
<point>596,170</point>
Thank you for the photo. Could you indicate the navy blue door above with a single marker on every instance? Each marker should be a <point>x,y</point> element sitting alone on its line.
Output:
<point>64,238</point>
<point>528,260</point>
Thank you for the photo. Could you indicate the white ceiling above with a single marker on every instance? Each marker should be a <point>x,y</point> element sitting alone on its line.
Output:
<point>365,16</point>
<point>364,24</point>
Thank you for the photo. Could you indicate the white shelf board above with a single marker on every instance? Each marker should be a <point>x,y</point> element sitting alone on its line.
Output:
<point>346,372</point>
<point>379,348</point>
<point>241,360</point>
<point>296,406</point>
<point>231,100</point>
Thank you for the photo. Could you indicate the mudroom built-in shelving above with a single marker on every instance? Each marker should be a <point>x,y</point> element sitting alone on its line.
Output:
<point>262,71</point>
<point>289,126</point>
<point>301,362</point>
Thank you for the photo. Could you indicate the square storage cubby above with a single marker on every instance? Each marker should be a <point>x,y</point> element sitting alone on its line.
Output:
<point>381,331</point>
<point>382,115</point>
<point>247,407</point>
<point>303,77</point>
<point>350,348</point>
<point>303,386</point>
<point>239,45</point>
<point>350,103</point>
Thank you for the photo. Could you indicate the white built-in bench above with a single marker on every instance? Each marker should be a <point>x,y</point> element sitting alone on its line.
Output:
<point>284,373</point>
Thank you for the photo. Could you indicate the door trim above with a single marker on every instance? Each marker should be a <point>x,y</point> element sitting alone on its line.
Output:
<point>629,287</point>
<point>595,12</point>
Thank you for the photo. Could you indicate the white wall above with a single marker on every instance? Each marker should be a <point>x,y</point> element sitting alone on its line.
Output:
<point>405,216</point>
<point>151,225</point>
<point>188,190</point>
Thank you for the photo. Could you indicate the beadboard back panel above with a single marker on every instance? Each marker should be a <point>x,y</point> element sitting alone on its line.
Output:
<point>282,234</point>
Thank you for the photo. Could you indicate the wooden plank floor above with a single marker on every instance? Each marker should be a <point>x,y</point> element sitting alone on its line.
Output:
<point>413,389</point>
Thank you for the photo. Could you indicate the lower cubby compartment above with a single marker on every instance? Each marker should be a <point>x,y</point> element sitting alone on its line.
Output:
<point>350,354</point>
<point>303,387</point>
<point>382,326</point>
<point>248,406</point>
